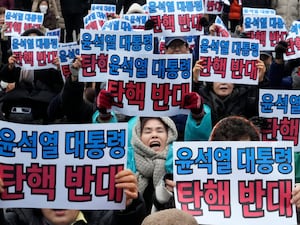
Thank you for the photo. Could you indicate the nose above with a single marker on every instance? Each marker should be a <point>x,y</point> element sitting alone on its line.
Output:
<point>154,134</point>
<point>177,49</point>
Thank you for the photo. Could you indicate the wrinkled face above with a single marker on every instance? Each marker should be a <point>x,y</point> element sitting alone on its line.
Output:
<point>222,89</point>
<point>154,135</point>
<point>177,47</point>
<point>60,216</point>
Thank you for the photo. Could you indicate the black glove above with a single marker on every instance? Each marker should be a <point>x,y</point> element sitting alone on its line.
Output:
<point>280,48</point>
<point>204,22</point>
<point>149,25</point>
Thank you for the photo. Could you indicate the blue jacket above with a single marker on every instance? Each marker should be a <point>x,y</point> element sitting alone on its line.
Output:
<point>193,131</point>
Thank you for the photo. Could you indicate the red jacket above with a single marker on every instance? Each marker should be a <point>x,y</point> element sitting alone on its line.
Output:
<point>235,12</point>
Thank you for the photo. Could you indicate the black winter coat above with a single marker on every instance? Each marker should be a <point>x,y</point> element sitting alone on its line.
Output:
<point>36,95</point>
<point>74,6</point>
<point>243,101</point>
<point>71,104</point>
<point>133,215</point>
<point>257,3</point>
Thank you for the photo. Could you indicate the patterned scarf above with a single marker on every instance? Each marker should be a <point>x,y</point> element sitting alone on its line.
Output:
<point>150,164</point>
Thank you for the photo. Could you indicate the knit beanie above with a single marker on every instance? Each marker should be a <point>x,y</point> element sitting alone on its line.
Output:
<point>170,217</point>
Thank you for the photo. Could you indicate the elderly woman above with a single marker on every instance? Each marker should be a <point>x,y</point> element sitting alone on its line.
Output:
<point>150,139</point>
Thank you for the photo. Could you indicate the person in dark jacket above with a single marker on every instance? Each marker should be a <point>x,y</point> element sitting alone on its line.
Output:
<point>70,106</point>
<point>34,89</point>
<point>24,5</point>
<point>280,75</point>
<point>257,3</point>
<point>49,17</point>
<point>226,99</point>
<point>73,12</point>
<point>133,214</point>
<point>4,40</point>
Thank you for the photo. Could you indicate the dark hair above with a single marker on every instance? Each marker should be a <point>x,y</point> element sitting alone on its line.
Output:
<point>234,128</point>
<point>183,43</point>
<point>2,10</point>
<point>33,31</point>
<point>41,2</point>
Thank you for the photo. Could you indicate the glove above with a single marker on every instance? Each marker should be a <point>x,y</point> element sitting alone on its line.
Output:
<point>194,102</point>
<point>280,48</point>
<point>104,102</point>
<point>149,25</point>
<point>204,22</point>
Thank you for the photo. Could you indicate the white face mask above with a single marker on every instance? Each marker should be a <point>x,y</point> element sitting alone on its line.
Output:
<point>43,9</point>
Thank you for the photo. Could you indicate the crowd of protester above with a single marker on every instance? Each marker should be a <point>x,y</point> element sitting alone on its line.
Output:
<point>218,111</point>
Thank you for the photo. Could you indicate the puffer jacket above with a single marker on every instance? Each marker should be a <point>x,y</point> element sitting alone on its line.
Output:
<point>235,11</point>
<point>288,9</point>
<point>134,215</point>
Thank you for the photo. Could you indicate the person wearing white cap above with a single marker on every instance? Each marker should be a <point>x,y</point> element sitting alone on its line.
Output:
<point>135,8</point>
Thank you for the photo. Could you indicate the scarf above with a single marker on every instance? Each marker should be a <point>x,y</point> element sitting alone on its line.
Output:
<point>150,164</point>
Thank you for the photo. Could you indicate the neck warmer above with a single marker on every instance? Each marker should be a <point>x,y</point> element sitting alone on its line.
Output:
<point>150,164</point>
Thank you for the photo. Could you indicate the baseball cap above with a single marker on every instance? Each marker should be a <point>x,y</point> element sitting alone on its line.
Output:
<point>169,40</point>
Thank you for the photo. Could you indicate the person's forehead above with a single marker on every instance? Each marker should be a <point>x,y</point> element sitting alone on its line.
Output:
<point>153,122</point>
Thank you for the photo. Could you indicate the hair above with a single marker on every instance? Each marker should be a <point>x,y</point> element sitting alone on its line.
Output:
<point>33,31</point>
<point>184,43</point>
<point>170,217</point>
<point>234,128</point>
<point>145,119</point>
<point>38,6</point>
<point>2,10</point>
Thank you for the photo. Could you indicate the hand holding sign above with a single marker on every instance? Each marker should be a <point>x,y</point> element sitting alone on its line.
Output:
<point>127,180</point>
<point>196,70</point>
<point>11,62</point>
<point>261,70</point>
<point>1,186</point>
<point>280,48</point>
<point>296,196</point>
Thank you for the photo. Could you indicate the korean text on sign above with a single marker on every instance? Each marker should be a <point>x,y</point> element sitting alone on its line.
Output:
<point>35,52</point>
<point>62,166</point>
<point>148,84</point>
<point>225,182</point>
<point>229,60</point>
